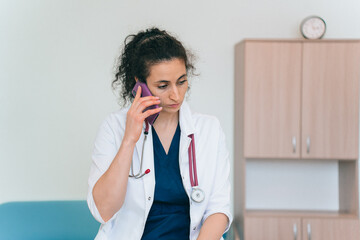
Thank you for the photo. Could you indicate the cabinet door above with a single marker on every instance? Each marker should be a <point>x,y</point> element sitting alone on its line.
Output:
<point>272,99</point>
<point>330,103</point>
<point>272,228</point>
<point>331,229</point>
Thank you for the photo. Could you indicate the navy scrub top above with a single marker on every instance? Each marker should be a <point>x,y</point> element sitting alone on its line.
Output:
<point>169,216</point>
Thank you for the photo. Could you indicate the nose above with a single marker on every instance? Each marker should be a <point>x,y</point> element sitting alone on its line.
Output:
<point>175,95</point>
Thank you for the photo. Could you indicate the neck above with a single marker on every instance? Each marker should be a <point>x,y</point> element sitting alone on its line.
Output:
<point>166,119</point>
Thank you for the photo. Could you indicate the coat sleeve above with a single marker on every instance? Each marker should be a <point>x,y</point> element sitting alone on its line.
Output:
<point>102,156</point>
<point>219,201</point>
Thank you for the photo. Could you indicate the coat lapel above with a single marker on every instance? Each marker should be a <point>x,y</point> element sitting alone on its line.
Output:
<point>140,142</point>
<point>187,128</point>
<point>148,161</point>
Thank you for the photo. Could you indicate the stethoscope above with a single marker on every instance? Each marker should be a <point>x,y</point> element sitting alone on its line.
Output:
<point>197,194</point>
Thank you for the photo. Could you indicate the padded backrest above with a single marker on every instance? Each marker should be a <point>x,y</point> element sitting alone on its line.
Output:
<point>47,220</point>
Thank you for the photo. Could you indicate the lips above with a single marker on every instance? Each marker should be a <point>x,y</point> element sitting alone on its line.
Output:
<point>174,105</point>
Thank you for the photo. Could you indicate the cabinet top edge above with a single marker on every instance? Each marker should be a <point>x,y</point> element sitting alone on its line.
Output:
<point>299,213</point>
<point>299,40</point>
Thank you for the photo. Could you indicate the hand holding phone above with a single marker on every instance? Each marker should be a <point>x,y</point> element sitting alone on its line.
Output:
<point>145,91</point>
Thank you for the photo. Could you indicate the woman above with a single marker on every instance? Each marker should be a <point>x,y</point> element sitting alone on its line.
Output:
<point>158,204</point>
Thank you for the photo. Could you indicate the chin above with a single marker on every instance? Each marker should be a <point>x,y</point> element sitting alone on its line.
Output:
<point>171,110</point>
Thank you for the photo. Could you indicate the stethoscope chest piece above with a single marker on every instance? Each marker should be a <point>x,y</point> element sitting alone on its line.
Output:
<point>197,195</point>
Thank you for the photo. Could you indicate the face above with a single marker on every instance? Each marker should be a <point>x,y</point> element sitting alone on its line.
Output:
<point>168,81</point>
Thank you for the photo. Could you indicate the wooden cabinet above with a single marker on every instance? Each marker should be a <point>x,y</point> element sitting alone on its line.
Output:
<point>298,228</point>
<point>301,99</point>
<point>298,99</point>
<point>272,228</point>
<point>330,229</point>
<point>330,100</point>
<point>272,99</point>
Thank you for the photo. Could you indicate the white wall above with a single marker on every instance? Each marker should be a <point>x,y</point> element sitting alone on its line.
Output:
<point>56,65</point>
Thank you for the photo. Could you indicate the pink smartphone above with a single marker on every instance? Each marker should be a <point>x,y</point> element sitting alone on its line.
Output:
<point>144,93</point>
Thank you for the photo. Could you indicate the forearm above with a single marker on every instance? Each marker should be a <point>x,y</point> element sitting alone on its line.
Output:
<point>109,191</point>
<point>213,227</point>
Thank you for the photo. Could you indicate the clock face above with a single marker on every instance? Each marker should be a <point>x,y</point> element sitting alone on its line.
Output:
<point>313,28</point>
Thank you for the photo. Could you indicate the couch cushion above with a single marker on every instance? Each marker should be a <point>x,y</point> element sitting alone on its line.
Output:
<point>47,220</point>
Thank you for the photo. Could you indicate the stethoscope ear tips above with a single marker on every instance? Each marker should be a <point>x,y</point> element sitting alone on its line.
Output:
<point>147,171</point>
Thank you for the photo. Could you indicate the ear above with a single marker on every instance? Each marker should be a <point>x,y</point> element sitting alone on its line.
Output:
<point>136,79</point>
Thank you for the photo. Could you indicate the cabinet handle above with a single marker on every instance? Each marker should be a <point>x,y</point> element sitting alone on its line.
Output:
<point>294,144</point>
<point>295,231</point>
<point>309,231</point>
<point>308,144</point>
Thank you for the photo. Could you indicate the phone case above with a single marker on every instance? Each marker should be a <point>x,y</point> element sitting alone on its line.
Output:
<point>144,93</point>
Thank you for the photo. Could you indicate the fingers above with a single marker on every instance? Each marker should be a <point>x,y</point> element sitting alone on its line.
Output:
<point>148,103</point>
<point>142,106</point>
<point>138,99</point>
<point>144,102</point>
<point>141,103</point>
<point>151,112</point>
<point>138,93</point>
<point>142,99</point>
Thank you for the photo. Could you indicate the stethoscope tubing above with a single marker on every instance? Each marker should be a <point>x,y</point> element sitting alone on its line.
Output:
<point>192,162</point>
<point>197,194</point>
<point>139,174</point>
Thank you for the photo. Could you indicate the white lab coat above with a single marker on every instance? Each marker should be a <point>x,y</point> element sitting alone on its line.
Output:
<point>213,168</point>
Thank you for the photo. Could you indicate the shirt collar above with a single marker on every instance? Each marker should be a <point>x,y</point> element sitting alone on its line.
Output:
<point>186,120</point>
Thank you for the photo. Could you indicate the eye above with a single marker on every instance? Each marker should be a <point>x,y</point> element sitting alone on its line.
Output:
<point>182,82</point>
<point>162,86</point>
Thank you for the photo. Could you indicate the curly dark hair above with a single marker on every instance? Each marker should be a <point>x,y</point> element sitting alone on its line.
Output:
<point>143,50</point>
